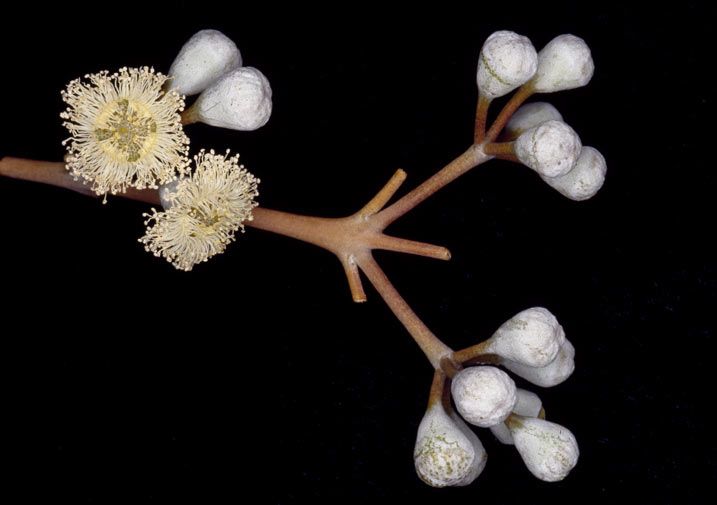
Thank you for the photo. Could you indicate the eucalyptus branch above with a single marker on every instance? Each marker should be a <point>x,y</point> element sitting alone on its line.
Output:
<point>127,137</point>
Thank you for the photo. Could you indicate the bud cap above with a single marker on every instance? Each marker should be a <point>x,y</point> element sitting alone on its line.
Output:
<point>532,337</point>
<point>240,100</point>
<point>507,60</point>
<point>585,179</point>
<point>553,374</point>
<point>205,57</point>
<point>551,148</point>
<point>484,395</point>
<point>565,63</point>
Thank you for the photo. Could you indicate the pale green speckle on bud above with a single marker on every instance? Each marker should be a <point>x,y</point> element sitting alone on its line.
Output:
<point>240,100</point>
<point>565,63</point>
<point>530,115</point>
<point>585,179</point>
<point>447,452</point>
<point>507,60</point>
<point>484,395</point>
<point>203,59</point>
<point>532,337</point>
<point>556,372</point>
<point>551,148</point>
<point>549,450</point>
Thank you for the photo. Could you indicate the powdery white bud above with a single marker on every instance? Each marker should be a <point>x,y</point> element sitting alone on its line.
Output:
<point>551,148</point>
<point>549,450</point>
<point>507,60</point>
<point>484,395</point>
<point>528,404</point>
<point>240,100</point>
<point>167,192</point>
<point>585,179</point>
<point>553,374</point>
<point>565,63</point>
<point>205,57</point>
<point>532,337</point>
<point>531,115</point>
<point>447,452</point>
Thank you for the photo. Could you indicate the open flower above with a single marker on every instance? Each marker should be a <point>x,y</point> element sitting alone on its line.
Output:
<point>125,130</point>
<point>203,213</point>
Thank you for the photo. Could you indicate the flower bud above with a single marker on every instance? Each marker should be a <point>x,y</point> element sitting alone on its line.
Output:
<point>551,148</point>
<point>531,337</point>
<point>167,193</point>
<point>205,57</point>
<point>507,60</point>
<point>550,375</point>
<point>548,449</point>
<point>585,179</point>
<point>447,452</point>
<point>528,404</point>
<point>530,115</point>
<point>565,63</point>
<point>484,395</point>
<point>240,100</point>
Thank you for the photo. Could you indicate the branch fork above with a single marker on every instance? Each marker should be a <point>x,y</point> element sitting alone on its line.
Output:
<point>353,238</point>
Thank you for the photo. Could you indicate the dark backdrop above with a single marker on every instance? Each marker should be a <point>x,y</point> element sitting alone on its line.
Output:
<point>254,378</point>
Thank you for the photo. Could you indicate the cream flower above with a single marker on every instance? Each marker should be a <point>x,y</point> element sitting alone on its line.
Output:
<point>126,131</point>
<point>204,212</point>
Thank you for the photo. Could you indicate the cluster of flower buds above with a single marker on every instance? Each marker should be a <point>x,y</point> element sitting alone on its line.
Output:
<point>540,138</point>
<point>531,344</point>
<point>232,96</point>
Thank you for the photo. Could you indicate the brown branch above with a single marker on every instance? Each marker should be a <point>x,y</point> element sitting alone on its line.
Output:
<point>520,96</point>
<point>471,353</point>
<point>481,118</point>
<point>473,157</point>
<point>379,201</point>
<point>434,349</point>
<point>350,238</point>
<point>500,149</point>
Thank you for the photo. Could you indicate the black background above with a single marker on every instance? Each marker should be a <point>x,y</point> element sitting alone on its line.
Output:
<point>254,378</point>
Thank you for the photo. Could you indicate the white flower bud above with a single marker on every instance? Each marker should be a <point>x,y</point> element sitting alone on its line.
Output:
<point>447,452</point>
<point>240,100</point>
<point>166,194</point>
<point>553,374</point>
<point>528,404</point>
<point>205,57</point>
<point>565,63</point>
<point>551,148</point>
<point>531,115</point>
<point>585,179</point>
<point>484,395</point>
<point>549,450</point>
<point>507,60</point>
<point>531,337</point>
